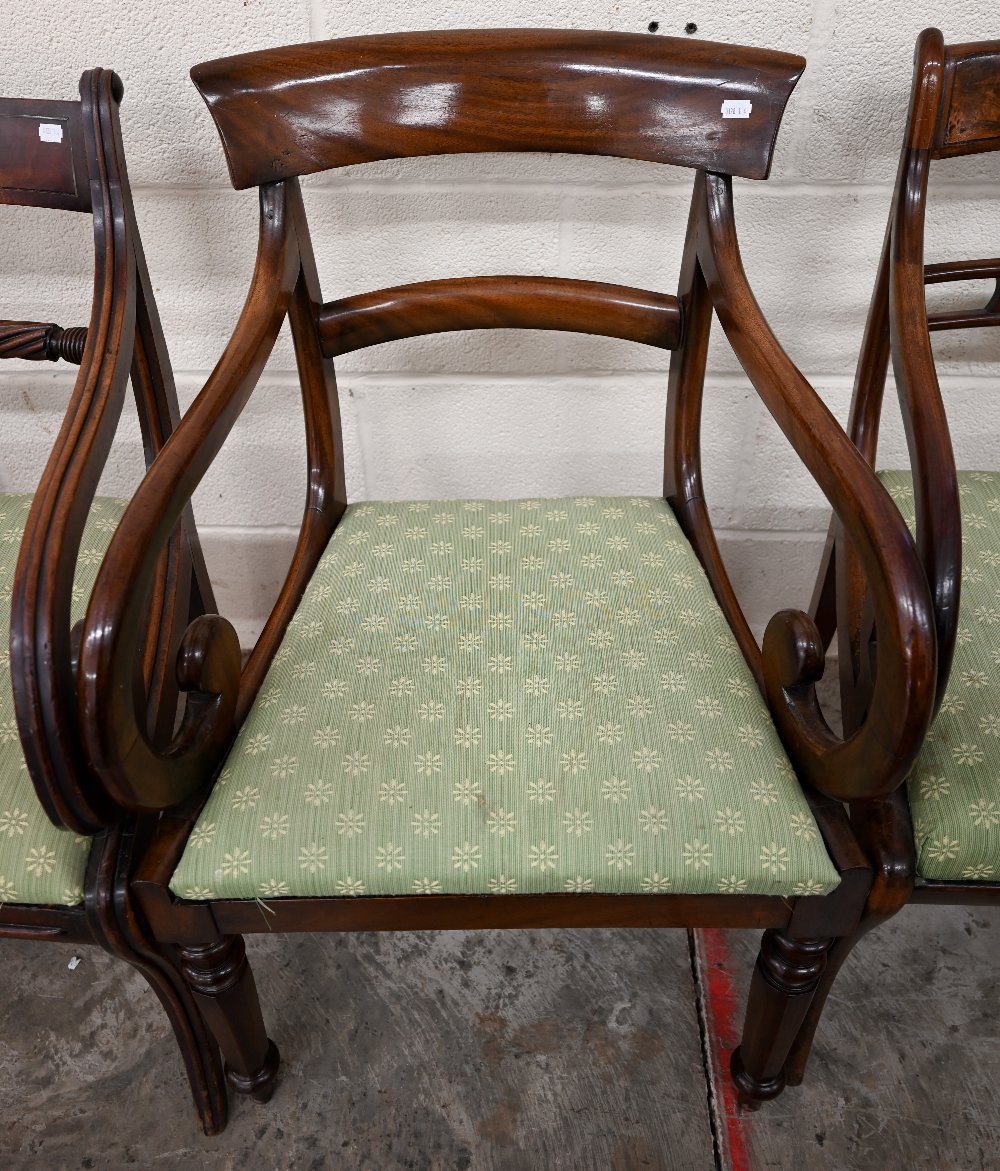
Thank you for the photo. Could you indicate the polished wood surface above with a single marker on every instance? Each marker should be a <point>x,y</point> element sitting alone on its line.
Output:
<point>288,112</point>
<point>43,154</point>
<point>84,171</point>
<point>123,337</point>
<point>970,121</point>
<point>964,270</point>
<point>954,110</point>
<point>499,302</point>
<point>292,111</point>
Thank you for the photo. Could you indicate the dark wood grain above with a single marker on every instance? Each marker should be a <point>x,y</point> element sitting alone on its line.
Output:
<point>84,170</point>
<point>499,302</point>
<point>954,110</point>
<point>42,167</point>
<point>36,342</point>
<point>293,111</point>
<point>877,756</point>
<point>970,118</point>
<point>138,773</point>
<point>787,970</point>
<point>964,270</point>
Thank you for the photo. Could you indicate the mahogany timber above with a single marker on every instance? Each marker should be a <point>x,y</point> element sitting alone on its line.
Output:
<point>954,110</point>
<point>43,155</point>
<point>292,111</point>
<point>499,302</point>
<point>68,156</point>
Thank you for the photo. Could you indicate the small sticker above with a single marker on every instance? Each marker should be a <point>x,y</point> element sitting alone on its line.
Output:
<point>50,132</point>
<point>74,963</point>
<point>736,108</point>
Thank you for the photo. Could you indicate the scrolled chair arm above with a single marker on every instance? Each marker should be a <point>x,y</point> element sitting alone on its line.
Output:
<point>876,758</point>
<point>138,773</point>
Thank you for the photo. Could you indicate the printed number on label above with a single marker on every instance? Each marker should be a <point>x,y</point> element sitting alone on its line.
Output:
<point>736,108</point>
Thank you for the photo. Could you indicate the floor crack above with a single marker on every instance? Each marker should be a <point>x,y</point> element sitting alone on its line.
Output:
<point>715,1120</point>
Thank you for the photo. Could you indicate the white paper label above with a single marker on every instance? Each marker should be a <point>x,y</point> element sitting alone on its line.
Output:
<point>50,132</point>
<point>736,108</point>
<point>74,963</point>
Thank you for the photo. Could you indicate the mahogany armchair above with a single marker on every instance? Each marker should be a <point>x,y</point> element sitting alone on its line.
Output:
<point>65,876</point>
<point>936,839</point>
<point>519,713</point>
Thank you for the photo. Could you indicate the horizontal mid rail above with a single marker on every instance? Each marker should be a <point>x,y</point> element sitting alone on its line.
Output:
<point>962,319</point>
<point>965,270</point>
<point>962,270</point>
<point>500,302</point>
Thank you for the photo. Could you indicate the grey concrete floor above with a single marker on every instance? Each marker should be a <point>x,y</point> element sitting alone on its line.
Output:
<point>535,1050</point>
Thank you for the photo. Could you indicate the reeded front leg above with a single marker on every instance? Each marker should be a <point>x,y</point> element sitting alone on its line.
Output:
<point>786,976</point>
<point>222,982</point>
<point>885,832</point>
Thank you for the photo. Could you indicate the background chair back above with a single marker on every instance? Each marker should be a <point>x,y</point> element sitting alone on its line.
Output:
<point>69,156</point>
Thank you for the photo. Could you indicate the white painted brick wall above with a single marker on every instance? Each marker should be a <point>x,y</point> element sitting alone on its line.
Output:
<point>501,413</point>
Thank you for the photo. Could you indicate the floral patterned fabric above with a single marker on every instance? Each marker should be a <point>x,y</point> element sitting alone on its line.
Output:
<point>500,696</point>
<point>38,862</point>
<point>954,789</point>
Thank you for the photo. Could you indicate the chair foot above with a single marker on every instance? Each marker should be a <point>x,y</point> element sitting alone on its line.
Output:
<point>223,986</point>
<point>260,1085</point>
<point>752,1093</point>
<point>785,979</point>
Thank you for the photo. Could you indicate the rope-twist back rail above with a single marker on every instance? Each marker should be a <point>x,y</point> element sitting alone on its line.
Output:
<point>39,342</point>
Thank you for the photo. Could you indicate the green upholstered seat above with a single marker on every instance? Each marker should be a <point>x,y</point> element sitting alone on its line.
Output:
<point>38,862</point>
<point>500,696</point>
<point>954,789</point>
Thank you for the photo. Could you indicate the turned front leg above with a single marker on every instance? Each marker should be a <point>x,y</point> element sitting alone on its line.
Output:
<point>785,978</point>
<point>222,982</point>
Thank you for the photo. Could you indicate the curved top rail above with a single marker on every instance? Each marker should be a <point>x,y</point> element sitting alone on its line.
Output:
<point>304,108</point>
<point>970,122</point>
<point>43,154</point>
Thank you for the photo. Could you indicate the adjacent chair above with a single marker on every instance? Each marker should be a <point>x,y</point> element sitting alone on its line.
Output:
<point>501,713</point>
<point>56,884</point>
<point>936,839</point>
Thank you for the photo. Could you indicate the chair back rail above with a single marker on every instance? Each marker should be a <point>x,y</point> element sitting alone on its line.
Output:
<point>43,155</point>
<point>287,112</point>
<point>964,270</point>
<point>969,122</point>
<point>499,302</point>
<point>123,336</point>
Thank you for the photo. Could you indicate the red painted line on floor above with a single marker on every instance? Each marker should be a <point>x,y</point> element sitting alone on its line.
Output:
<point>723,1021</point>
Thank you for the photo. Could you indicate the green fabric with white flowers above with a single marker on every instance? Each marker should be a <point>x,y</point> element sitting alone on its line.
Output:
<point>38,862</point>
<point>954,789</point>
<point>506,696</point>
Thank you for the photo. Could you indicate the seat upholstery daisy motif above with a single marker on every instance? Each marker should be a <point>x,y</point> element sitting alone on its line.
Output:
<point>499,696</point>
<point>39,863</point>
